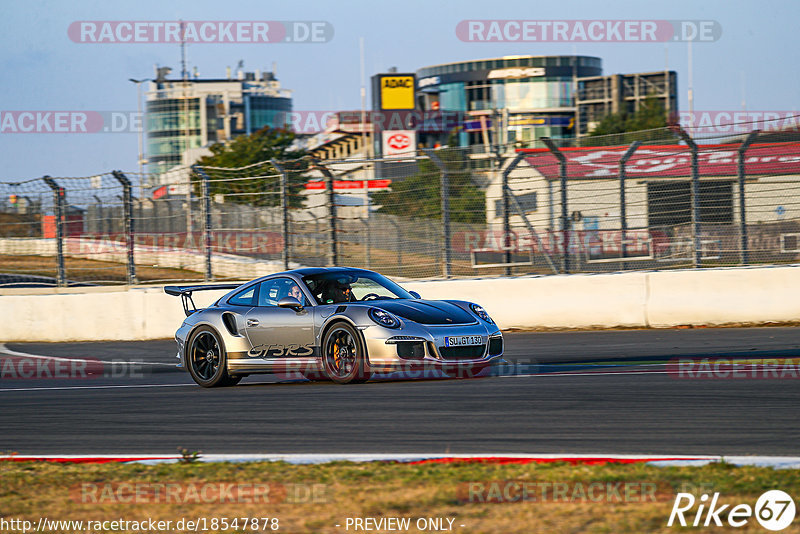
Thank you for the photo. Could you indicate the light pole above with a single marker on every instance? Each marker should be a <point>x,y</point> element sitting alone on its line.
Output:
<point>142,161</point>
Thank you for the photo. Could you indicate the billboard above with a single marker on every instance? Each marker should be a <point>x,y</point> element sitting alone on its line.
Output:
<point>396,91</point>
<point>669,161</point>
<point>398,143</point>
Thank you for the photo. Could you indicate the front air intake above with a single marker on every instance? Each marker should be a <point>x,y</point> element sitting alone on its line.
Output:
<point>411,350</point>
<point>495,346</point>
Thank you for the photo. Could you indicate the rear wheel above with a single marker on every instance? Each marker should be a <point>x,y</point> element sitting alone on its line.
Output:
<point>343,356</point>
<point>207,360</point>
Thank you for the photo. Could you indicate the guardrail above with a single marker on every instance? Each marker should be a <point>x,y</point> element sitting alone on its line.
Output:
<point>658,299</point>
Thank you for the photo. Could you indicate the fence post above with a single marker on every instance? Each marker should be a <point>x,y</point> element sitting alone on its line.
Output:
<point>444,183</point>
<point>743,240</point>
<point>284,210</point>
<point>206,214</point>
<point>58,203</point>
<point>562,174</point>
<point>398,243</point>
<point>127,217</point>
<point>623,213</point>
<point>333,253</point>
<point>696,235</point>
<point>506,207</point>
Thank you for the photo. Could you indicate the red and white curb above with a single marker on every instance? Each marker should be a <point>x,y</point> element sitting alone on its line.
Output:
<point>777,462</point>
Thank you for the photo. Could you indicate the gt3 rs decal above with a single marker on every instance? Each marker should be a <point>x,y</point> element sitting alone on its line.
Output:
<point>281,351</point>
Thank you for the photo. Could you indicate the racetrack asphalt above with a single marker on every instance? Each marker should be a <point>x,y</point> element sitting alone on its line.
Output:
<point>591,392</point>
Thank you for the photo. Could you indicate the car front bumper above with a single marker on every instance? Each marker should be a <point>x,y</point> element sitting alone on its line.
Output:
<point>417,347</point>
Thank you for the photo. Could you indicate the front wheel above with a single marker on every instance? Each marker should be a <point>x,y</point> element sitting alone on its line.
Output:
<point>343,356</point>
<point>207,359</point>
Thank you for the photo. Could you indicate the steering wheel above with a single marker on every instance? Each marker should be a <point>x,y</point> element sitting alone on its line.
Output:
<point>370,296</point>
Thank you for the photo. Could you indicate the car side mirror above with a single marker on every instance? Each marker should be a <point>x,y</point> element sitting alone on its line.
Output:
<point>291,303</point>
<point>415,294</point>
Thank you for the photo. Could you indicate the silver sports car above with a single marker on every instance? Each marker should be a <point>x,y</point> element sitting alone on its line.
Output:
<point>336,324</point>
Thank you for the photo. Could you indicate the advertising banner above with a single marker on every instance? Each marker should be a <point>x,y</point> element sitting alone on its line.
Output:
<point>669,161</point>
<point>397,143</point>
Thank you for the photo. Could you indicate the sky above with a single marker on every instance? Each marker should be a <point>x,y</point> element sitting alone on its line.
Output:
<point>42,69</point>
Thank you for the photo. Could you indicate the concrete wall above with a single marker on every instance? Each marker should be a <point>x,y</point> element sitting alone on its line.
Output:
<point>637,299</point>
<point>223,265</point>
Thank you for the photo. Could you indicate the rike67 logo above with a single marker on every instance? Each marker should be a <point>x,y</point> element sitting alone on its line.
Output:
<point>774,510</point>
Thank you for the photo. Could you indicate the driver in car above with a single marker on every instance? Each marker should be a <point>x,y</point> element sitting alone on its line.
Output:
<point>336,292</point>
<point>295,292</point>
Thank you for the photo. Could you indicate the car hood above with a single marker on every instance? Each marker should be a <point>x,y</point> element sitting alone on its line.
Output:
<point>426,311</point>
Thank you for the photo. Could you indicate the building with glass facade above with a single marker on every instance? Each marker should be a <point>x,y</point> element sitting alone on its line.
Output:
<point>600,96</point>
<point>186,115</point>
<point>512,99</point>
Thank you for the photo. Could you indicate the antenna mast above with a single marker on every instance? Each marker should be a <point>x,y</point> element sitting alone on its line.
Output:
<point>184,72</point>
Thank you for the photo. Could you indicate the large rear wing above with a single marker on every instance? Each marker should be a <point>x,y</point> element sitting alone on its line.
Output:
<point>185,293</point>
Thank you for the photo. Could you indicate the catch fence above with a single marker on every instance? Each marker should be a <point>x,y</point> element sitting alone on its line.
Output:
<point>660,199</point>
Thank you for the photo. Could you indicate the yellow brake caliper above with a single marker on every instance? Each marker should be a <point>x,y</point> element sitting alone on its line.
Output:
<point>336,358</point>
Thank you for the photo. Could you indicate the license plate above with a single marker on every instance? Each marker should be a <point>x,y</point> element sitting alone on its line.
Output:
<point>462,341</point>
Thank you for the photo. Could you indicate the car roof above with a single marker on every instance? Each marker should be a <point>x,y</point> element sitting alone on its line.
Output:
<point>310,271</point>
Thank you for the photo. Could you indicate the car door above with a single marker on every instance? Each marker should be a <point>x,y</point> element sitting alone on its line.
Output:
<point>279,333</point>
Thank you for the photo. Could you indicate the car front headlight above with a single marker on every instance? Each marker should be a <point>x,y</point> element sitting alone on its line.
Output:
<point>384,318</point>
<point>480,312</point>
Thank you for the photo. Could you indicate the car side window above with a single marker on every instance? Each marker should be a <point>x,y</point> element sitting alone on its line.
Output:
<point>272,291</point>
<point>244,298</point>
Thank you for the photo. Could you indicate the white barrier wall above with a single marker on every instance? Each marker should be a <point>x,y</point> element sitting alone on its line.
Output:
<point>722,296</point>
<point>636,299</point>
<point>573,301</point>
<point>89,314</point>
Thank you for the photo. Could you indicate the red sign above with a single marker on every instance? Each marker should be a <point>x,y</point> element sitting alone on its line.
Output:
<point>668,161</point>
<point>72,226</point>
<point>351,184</point>
<point>160,192</point>
<point>399,141</point>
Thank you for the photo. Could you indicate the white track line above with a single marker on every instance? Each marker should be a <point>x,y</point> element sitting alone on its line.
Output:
<point>122,386</point>
<point>9,352</point>
<point>599,373</point>
<point>109,386</point>
<point>661,460</point>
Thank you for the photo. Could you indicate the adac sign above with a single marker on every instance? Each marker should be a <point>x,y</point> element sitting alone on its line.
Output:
<point>397,92</point>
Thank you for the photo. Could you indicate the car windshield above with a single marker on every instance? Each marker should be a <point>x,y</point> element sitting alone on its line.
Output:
<point>353,286</point>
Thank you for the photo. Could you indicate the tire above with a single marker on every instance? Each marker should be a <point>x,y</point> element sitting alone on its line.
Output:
<point>207,360</point>
<point>344,359</point>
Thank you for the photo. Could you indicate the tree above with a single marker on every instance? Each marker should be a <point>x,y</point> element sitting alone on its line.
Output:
<point>226,176</point>
<point>262,145</point>
<point>648,123</point>
<point>420,195</point>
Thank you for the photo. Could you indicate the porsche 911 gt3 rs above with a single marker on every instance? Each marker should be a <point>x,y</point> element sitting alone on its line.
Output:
<point>336,323</point>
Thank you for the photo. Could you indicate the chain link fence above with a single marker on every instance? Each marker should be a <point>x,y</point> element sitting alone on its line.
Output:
<point>658,199</point>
